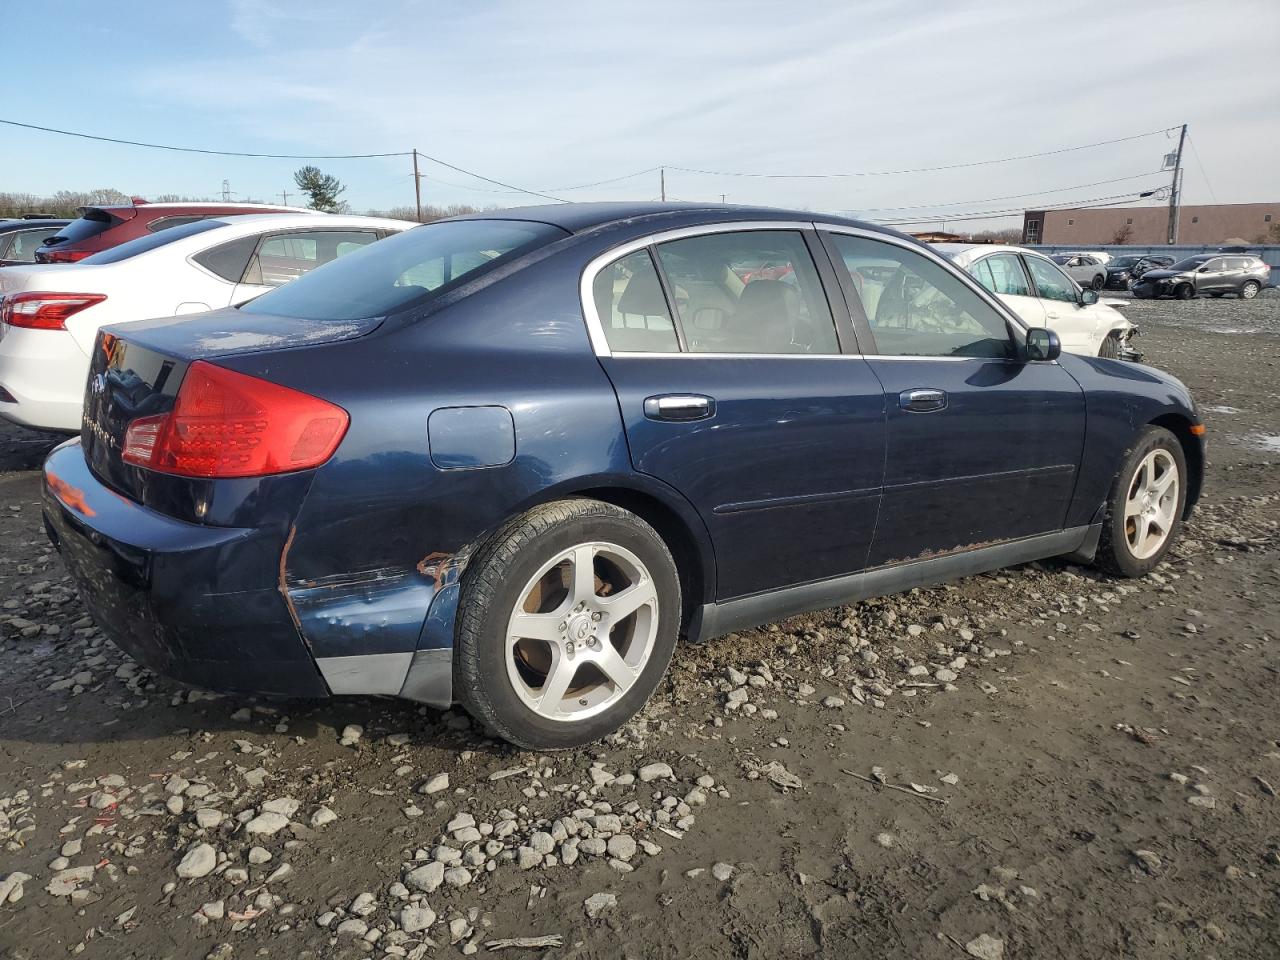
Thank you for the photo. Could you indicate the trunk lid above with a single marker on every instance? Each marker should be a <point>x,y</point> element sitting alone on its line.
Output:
<point>136,370</point>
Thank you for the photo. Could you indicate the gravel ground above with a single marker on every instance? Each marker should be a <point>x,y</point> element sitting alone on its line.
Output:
<point>1039,763</point>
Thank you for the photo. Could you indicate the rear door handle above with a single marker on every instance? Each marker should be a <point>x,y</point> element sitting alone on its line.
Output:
<point>922,400</point>
<point>679,407</point>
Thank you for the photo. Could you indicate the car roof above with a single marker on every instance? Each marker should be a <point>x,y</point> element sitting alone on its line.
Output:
<point>582,217</point>
<point>9,225</point>
<point>968,252</point>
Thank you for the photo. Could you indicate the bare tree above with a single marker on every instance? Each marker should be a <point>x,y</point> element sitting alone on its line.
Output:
<point>1122,236</point>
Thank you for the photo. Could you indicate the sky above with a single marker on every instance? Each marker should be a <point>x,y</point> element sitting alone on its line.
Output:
<point>548,96</point>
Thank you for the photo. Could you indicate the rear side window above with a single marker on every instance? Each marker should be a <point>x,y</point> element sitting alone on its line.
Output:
<point>1051,283</point>
<point>164,223</point>
<point>632,307</point>
<point>406,270</point>
<point>1002,273</point>
<point>751,292</point>
<point>21,244</point>
<point>917,308</point>
<point>285,257</point>
<point>152,241</point>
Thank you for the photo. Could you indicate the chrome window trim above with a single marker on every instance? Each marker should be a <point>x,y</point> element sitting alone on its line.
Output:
<point>600,342</point>
<point>586,293</point>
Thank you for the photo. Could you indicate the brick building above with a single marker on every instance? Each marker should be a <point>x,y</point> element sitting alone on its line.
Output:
<point>1208,223</point>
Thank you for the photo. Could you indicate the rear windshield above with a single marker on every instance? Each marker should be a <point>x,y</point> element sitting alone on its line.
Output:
<point>132,248</point>
<point>87,227</point>
<point>404,270</point>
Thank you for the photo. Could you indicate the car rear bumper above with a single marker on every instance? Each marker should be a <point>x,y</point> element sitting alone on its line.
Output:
<point>200,604</point>
<point>44,372</point>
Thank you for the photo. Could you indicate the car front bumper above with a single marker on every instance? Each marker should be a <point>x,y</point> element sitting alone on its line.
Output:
<point>200,604</point>
<point>44,373</point>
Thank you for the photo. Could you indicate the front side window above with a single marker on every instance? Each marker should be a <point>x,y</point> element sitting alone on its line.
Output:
<point>405,270</point>
<point>752,292</point>
<point>1051,283</point>
<point>165,223</point>
<point>916,307</point>
<point>632,307</point>
<point>286,257</point>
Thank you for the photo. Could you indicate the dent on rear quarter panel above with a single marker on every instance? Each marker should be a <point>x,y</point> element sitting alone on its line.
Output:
<point>385,530</point>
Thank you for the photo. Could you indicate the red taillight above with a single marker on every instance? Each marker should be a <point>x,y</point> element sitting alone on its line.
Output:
<point>44,311</point>
<point>62,256</point>
<point>228,424</point>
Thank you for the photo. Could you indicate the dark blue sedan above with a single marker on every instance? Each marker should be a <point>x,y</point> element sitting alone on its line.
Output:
<point>508,460</point>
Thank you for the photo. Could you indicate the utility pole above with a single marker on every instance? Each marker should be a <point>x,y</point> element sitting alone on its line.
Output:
<point>1175,190</point>
<point>284,197</point>
<point>662,180</point>
<point>417,186</point>
<point>722,196</point>
<point>226,191</point>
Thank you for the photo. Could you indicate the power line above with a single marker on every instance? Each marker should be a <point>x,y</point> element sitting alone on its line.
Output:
<point>277,156</point>
<point>1114,201</point>
<point>949,166</point>
<point>1196,153</point>
<point>216,153</point>
<point>1011,196</point>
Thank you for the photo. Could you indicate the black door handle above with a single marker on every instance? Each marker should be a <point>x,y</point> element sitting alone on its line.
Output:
<point>922,400</point>
<point>679,407</point>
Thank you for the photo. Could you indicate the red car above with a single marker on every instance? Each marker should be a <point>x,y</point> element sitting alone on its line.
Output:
<point>100,227</point>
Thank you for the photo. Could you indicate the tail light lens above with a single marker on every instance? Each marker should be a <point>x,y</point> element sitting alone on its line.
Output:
<point>228,424</point>
<point>44,311</point>
<point>62,256</point>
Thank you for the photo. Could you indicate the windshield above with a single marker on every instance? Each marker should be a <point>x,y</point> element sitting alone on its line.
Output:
<point>132,248</point>
<point>404,270</point>
<point>1124,261</point>
<point>1190,263</point>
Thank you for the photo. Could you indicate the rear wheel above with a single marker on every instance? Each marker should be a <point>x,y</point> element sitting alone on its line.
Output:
<point>1099,282</point>
<point>1185,291</point>
<point>1144,508</point>
<point>566,624</point>
<point>1250,289</point>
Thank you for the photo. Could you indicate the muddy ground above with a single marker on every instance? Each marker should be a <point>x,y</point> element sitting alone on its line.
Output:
<point>1087,767</point>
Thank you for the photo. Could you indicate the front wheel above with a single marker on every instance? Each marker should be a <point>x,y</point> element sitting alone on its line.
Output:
<point>1185,292</point>
<point>1250,290</point>
<point>1099,282</point>
<point>566,624</point>
<point>1110,347</point>
<point>1145,506</point>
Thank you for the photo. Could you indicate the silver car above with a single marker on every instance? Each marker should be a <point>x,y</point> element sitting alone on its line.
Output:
<point>1089,272</point>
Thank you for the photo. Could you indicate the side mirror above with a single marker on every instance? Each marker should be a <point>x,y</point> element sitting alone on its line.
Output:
<point>1043,344</point>
<point>1088,297</point>
<point>1203,270</point>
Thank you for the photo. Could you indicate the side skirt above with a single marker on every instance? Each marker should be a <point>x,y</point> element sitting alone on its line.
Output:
<point>717,619</point>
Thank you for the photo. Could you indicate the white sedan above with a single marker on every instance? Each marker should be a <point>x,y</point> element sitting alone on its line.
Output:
<point>1037,290</point>
<point>51,313</point>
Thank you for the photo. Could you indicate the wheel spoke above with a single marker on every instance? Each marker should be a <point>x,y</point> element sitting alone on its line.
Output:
<point>1165,481</point>
<point>1132,507</point>
<point>584,574</point>
<point>535,626</point>
<point>622,605</point>
<point>614,667</point>
<point>559,679</point>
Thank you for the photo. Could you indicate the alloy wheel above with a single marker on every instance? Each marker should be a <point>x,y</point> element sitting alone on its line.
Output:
<point>1151,506</point>
<point>582,631</point>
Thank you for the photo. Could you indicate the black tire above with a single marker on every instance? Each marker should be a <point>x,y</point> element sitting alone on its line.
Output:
<point>1184,291</point>
<point>1114,554</point>
<point>1250,289</point>
<point>1110,347</point>
<point>1099,282</point>
<point>491,588</point>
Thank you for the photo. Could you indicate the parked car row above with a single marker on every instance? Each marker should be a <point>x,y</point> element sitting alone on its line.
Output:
<point>1039,290</point>
<point>510,459</point>
<point>1207,274</point>
<point>178,262</point>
